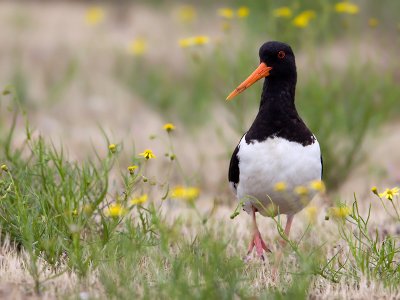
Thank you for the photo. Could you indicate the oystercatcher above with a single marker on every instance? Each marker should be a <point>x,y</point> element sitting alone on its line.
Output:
<point>278,157</point>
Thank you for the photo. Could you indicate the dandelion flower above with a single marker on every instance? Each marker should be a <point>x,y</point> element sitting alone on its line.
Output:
<point>185,193</point>
<point>312,212</point>
<point>301,190</point>
<point>193,41</point>
<point>147,154</point>
<point>4,168</point>
<point>318,185</point>
<point>302,20</point>
<point>112,148</point>
<point>346,8</point>
<point>137,47</point>
<point>178,192</point>
<point>186,14</point>
<point>374,190</point>
<point>184,43</point>
<point>243,12</point>
<point>132,169</point>
<point>340,212</point>
<point>168,127</point>
<point>192,192</point>
<point>282,12</point>
<point>373,22</point>
<point>390,193</point>
<point>115,210</point>
<point>280,186</point>
<point>226,13</point>
<point>139,200</point>
<point>201,40</point>
<point>94,15</point>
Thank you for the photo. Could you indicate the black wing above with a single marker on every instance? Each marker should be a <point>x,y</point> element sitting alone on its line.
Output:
<point>234,172</point>
<point>322,166</point>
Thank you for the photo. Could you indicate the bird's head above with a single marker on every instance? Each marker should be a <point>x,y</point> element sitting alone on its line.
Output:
<point>276,61</point>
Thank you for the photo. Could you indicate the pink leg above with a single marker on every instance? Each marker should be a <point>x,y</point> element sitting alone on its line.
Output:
<point>288,226</point>
<point>256,241</point>
<point>279,255</point>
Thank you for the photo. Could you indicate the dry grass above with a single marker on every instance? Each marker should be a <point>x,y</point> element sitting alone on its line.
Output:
<point>17,282</point>
<point>74,120</point>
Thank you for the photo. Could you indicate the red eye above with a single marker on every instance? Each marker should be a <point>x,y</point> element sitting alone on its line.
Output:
<point>281,54</point>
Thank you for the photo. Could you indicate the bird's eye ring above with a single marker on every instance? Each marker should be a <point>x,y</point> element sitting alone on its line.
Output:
<point>281,54</point>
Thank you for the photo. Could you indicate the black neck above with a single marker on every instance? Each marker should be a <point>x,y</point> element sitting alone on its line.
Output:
<point>278,92</point>
<point>277,116</point>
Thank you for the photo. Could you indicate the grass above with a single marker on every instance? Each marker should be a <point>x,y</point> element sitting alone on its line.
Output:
<point>189,92</point>
<point>335,108</point>
<point>58,213</point>
<point>347,98</point>
<point>78,221</point>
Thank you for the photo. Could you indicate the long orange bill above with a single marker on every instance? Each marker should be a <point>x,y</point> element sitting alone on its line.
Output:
<point>261,72</point>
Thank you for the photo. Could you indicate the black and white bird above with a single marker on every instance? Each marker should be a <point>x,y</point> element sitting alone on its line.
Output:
<point>278,149</point>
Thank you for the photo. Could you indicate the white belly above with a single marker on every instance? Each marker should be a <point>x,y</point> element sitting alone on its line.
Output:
<point>263,164</point>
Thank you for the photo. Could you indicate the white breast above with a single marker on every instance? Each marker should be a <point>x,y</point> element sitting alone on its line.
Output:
<point>263,164</point>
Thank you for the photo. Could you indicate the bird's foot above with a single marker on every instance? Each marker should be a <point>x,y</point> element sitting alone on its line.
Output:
<point>258,243</point>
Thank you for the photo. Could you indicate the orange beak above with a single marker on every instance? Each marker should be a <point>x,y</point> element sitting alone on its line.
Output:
<point>261,72</point>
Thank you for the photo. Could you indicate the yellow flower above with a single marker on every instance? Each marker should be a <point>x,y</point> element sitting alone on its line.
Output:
<point>374,190</point>
<point>243,12</point>
<point>201,40</point>
<point>186,14</point>
<point>94,15</point>
<point>318,185</point>
<point>226,13</point>
<point>346,8</point>
<point>147,154</point>
<point>139,200</point>
<point>169,127</point>
<point>373,22</point>
<point>115,210</point>
<point>112,148</point>
<point>75,212</point>
<point>312,212</point>
<point>282,12</point>
<point>302,20</point>
<point>301,190</point>
<point>4,168</point>
<point>340,212</point>
<point>137,47</point>
<point>132,169</point>
<point>185,193</point>
<point>280,186</point>
<point>193,41</point>
<point>390,193</point>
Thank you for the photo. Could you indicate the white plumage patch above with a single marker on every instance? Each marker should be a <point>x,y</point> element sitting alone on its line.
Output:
<point>263,164</point>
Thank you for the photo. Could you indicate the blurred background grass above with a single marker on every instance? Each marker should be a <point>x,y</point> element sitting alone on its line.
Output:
<point>82,70</point>
<point>130,66</point>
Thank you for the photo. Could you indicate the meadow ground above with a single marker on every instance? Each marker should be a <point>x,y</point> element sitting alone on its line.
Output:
<point>86,89</point>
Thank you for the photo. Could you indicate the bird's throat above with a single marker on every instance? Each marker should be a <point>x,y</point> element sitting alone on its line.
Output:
<point>278,93</point>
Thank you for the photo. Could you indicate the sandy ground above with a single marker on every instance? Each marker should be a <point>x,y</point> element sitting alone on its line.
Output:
<point>46,43</point>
